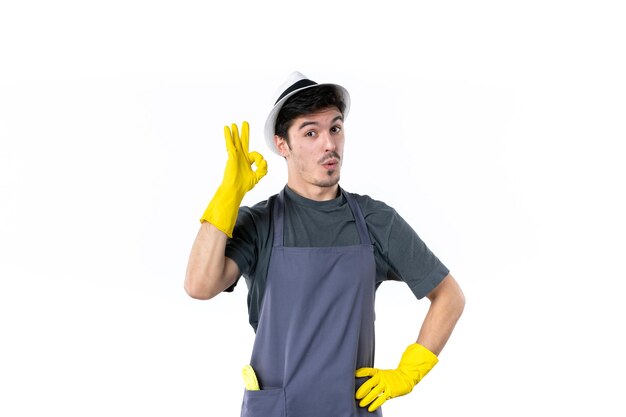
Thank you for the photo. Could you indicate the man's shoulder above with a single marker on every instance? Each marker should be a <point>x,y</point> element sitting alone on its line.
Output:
<point>260,209</point>
<point>370,205</point>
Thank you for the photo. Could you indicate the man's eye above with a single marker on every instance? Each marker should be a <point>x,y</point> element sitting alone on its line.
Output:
<point>310,133</point>
<point>336,129</point>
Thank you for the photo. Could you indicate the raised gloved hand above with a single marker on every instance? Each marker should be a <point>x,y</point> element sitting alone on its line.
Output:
<point>416,362</point>
<point>239,178</point>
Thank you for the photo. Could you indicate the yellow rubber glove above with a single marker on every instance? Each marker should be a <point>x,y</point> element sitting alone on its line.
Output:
<point>249,378</point>
<point>239,178</point>
<point>416,362</point>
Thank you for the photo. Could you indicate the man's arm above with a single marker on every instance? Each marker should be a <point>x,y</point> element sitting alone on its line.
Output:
<point>446,306</point>
<point>209,272</point>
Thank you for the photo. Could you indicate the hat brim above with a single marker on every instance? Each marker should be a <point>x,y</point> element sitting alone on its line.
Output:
<point>271,118</point>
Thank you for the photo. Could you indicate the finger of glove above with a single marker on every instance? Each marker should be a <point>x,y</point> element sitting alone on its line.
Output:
<point>367,386</point>
<point>228,136</point>
<point>261,164</point>
<point>245,137</point>
<point>377,403</point>
<point>236,137</point>
<point>373,394</point>
<point>363,372</point>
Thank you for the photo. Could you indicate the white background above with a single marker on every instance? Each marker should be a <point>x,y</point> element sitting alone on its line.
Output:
<point>493,127</point>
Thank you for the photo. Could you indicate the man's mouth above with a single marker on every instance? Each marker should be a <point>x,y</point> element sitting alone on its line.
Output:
<point>330,163</point>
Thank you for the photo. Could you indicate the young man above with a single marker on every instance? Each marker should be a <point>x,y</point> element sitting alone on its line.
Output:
<point>313,256</point>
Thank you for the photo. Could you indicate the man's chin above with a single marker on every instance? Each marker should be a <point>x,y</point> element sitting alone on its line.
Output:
<point>331,181</point>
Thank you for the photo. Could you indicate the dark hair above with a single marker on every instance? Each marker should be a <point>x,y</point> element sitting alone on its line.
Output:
<point>307,101</point>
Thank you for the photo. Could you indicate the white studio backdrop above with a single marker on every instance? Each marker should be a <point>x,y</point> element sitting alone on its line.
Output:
<point>494,128</point>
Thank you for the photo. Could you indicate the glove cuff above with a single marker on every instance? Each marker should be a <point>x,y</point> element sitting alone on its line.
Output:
<point>222,210</point>
<point>417,361</point>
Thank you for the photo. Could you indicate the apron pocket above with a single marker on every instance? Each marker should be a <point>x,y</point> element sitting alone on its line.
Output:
<point>264,403</point>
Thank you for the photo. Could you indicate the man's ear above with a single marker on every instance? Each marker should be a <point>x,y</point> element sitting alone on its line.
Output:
<point>282,146</point>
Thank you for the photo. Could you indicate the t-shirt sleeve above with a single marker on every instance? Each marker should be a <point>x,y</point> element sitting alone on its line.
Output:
<point>403,256</point>
<point>250,238</point>
<point>410,260</point>
<point>241,247</point>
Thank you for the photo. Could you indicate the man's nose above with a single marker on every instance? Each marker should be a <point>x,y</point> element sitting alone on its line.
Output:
<point>330,142</point>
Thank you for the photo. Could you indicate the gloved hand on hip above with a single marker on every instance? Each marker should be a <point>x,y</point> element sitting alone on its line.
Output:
<point>416,362</point>
<point>239,178</point>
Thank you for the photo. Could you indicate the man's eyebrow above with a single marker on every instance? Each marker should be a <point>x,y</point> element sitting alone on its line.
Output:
<point>311,122</point>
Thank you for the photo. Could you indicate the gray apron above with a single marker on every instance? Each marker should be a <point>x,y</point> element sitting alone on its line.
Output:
<point>316,327</point>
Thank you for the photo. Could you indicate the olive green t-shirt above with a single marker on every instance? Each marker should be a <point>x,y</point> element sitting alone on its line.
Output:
<point>399,252</point>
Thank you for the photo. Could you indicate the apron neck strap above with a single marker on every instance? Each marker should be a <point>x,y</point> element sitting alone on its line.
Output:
<point>358,217</point>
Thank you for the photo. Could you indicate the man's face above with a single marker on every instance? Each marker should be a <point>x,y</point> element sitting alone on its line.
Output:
<point>315,151</point>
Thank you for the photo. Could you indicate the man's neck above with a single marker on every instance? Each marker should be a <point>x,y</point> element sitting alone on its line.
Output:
<point>314,192</point>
